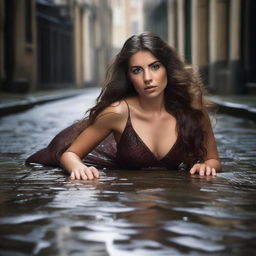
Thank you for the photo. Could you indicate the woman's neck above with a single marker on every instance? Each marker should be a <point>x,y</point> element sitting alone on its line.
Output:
<point>153,105</point>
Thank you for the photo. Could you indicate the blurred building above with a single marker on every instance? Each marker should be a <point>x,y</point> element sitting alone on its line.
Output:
<point>17,45</point>
<point>128,20</point>
<point>53,44</point>
<point>92,39</point>
<point>55,51</point>
<point>156,17</point>
<point>215,35</point>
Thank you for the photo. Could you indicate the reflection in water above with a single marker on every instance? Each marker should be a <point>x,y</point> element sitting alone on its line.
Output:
<point>136,213</point>
<point>125,213</point>
<point>112,216</point>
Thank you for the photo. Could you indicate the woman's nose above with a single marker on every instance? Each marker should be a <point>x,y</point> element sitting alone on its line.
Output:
<point>147,76</point>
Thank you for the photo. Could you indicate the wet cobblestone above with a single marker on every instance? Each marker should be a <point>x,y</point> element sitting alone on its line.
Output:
<point>123,213</point>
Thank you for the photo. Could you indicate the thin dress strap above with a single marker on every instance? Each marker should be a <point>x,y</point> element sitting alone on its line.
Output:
<point>129,116</point>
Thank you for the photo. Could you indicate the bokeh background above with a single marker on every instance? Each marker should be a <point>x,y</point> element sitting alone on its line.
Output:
<point>58,44</point>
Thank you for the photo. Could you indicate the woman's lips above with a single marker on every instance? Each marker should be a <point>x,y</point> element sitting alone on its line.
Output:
<point>150,88</point>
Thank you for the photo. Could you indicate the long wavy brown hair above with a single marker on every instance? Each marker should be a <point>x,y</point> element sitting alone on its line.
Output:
<point>183,93</point>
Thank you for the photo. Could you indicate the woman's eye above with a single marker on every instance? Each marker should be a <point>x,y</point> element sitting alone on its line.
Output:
<point>136,70</point>
<point>155,66</point>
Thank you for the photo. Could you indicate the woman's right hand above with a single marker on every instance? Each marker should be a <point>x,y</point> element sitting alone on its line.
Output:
<point>85,173</point>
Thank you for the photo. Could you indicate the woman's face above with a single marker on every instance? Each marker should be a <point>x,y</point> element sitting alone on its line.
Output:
<point>148,75</point>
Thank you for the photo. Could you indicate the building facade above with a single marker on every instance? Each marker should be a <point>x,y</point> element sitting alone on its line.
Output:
<point>92,39</point>
<point>215,36</point>
<point>53,44</point>
<point>128,19</point>
<point>18,66</point>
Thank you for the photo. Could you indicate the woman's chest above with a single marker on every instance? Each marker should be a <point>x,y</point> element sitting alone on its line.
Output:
<point>158,134</point>
<point>147,143</point>
<point>132,151</point>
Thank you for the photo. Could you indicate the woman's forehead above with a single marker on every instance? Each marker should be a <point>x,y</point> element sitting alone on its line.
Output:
<point>142,58</point>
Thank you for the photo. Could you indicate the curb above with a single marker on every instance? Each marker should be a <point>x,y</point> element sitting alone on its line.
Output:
<point>235,109</point>
<point>20,105</point>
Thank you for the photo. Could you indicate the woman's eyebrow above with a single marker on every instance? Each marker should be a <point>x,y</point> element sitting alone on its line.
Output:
<point>153,63</point>
<point>138,66</point>
<point>135,66</point>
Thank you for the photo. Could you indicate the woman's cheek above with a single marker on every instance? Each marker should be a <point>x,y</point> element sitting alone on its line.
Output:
<point>137,84</point>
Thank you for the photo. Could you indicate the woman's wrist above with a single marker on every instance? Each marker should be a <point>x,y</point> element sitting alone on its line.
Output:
<point>71,162</point>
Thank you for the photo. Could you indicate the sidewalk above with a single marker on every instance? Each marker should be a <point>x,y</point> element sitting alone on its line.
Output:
<point>12,103</point>
<point>238,105</point>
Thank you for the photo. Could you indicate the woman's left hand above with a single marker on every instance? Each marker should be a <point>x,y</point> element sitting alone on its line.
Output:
<point>203,170</point>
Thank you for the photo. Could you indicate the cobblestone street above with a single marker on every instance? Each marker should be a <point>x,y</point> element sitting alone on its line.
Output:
<point>124,212</point>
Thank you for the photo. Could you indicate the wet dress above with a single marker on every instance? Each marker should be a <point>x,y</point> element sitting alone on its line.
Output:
<point>129,153</point>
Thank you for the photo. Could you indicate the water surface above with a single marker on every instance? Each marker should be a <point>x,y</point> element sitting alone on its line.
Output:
<point>137,212</point>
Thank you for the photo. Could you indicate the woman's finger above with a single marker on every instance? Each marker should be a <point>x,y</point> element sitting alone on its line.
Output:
<point>95,172</point>
<point>77,174</point>
<point>194,169</point>
<point>88,173</point>
<point>202,170</point>
<point>83,175</point>
<point>213,172</point>
<point>72,175</point>
<point>208,170</point>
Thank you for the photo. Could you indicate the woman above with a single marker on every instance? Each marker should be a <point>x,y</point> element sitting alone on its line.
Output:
<point>150,114</point>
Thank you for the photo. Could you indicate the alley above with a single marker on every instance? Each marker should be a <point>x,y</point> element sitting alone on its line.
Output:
<point>124,212</point>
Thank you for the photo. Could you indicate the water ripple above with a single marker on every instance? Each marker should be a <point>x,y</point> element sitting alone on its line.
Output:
<point>22,219</point>
<point>194,243</point>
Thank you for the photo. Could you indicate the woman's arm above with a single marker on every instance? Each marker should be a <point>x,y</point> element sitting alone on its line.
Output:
<point>71,160</point>
<point>211,164</point>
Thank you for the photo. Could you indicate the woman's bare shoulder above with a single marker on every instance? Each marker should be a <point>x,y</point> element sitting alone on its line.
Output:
<point>112,117</point>
<point>119,107</point>
<point>116,111</point>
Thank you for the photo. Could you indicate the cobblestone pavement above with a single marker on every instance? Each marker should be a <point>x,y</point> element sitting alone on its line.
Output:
<point>124,213</point>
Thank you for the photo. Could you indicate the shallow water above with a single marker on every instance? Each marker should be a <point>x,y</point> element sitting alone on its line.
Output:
<point>136,213</point>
